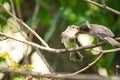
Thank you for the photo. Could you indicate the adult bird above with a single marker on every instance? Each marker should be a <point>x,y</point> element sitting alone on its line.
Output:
<point>69,39</point>
<point>101,32</point>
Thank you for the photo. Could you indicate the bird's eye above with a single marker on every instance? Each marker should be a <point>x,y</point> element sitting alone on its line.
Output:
<point>77,28</point>
<point>73,27</point>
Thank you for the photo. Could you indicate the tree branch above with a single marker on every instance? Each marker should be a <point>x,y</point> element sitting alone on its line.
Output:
<point>103,6</point>
<point>64,50</point>
<point>88,66</point>
<point>25,25</point>
<point>53,50</point>
<point>63,76</point>
<point>95,61</point>
<point>47,48</point>
<point>54,76</point>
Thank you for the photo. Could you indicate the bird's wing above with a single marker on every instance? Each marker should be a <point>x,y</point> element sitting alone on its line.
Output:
<point>101,30</point>
<point>62,36</point>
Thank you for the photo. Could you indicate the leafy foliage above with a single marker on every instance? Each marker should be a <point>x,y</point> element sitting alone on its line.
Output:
<point>55,15</point>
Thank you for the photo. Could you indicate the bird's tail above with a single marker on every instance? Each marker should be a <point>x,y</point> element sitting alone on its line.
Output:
<point>76,56</point>
<point>112,41</point>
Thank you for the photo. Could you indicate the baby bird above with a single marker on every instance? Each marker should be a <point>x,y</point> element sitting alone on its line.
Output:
<point>69,39</point>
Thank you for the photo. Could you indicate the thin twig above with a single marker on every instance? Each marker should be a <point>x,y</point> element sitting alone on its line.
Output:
<point>94,62</point>
<point>88,66</point>
<point>103,2</point>
<point>14,13</point>
<point>35,13</point>
<point>37,7</point>
<point>25,25</point>
<point>103,6</point>
<point>12,6</point>
<point>18,9</point>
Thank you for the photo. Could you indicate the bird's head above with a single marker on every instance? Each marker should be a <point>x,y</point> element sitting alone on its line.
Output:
<point>85,27</point>
<point>73,29</point>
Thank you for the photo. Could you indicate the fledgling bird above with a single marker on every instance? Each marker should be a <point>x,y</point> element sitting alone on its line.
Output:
<point>69,39</point>
<point>101,32</point>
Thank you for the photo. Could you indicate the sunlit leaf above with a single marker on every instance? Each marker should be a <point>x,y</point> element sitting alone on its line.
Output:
<point>4,54</point>
<point>18,2</point>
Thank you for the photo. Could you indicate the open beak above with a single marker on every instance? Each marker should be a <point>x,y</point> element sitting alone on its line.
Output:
<point>78,28</point>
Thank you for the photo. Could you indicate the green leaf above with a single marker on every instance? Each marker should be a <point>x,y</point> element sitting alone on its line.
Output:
<point>43,16</point>
<point>69,15</point>
<point>2,1</point>
<point>18,2</point>
<point>53,23</point>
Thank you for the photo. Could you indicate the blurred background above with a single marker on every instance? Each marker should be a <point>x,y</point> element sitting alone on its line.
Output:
<point>50,17</point>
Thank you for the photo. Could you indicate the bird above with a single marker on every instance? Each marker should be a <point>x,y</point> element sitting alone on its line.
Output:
<point>101,32</point>
<point>69,39</point>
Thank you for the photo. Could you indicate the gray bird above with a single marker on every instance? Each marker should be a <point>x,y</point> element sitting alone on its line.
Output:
<point>69,39</point>
<point>100,32</point>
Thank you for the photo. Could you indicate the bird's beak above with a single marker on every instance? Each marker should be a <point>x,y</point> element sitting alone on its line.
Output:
<point>78,28</point>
